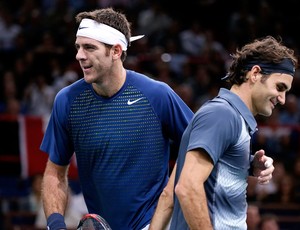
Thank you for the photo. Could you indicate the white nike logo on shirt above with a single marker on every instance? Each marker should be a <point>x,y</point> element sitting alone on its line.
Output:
<point>129,102</point>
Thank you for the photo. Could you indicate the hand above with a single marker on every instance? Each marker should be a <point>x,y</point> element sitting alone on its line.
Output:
<point>262,167</point>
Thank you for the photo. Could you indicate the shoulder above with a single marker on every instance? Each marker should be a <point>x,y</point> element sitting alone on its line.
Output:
<point>73,89</point>
<point>220,108</point>
<point>67,94</point>
<point>160,95</point>
<point>151,88</point>
<point>145,82</point>
<point>219,112</point>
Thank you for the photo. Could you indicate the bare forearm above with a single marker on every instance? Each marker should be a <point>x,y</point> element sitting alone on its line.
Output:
<point>190,190</point>
<point>164,209</point>
<point>195,211</point>
<point>54,192</point>
<point>162,214</point>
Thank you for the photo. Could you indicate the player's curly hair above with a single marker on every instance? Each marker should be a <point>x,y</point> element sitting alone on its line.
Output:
<point>263,50</point>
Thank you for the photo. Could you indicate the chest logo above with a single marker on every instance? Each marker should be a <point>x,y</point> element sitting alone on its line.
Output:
<point>129,102</point>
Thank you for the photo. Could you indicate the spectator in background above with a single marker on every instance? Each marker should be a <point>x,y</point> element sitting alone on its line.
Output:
<point>214,56</point>
<point>10,102</point>
<point>201,80</point>
<point>262,191</point>
<point>192,39</point>
<point>242,23</point>
<point>13,107</point>
<point>269,222</point>
<point>177,59</point>
<point>68,77</point>
<point>39,97</point>
<point>251,190</point>
<point>76,207</point>
<point>22,68</point>
<point>33,202</point>
<point>290,114</point>
<point>49,46</point>
<point>253,217</point>
<point>186,93</point>
<point>9,30</point>
<point>153,21</point>
<point>75,210</point>
<point>296,175</point>
<point>271,137</point>
<point>286,193</point>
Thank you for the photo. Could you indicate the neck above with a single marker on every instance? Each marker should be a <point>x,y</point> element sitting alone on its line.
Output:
<point>244,92</point>
<point>110,85</point>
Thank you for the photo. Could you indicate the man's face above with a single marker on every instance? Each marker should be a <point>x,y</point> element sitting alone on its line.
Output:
<point>94,58</point>
<point>270,91</point>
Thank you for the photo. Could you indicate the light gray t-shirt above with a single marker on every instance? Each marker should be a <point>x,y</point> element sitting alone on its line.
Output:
<point>223,128</point>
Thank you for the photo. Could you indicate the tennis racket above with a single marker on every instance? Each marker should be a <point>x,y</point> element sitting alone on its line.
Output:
<point>93,222</point>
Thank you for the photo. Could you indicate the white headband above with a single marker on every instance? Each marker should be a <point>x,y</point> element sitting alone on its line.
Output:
<point>103,33</point>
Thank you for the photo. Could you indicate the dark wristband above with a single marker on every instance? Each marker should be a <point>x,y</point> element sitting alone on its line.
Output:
<point>56,221</point>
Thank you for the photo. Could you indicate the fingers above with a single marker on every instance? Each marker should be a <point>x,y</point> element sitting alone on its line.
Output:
<point>264,179</point>
<point>268,162</point>
<point>266,175</point>
<point>259,153</point>
<point>264,182</point>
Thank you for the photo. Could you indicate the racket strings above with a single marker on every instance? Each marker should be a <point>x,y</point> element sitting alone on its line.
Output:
<point>93,222</point>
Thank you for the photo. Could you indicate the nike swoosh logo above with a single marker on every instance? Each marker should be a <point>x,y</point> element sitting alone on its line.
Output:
<point>129,102</point>
<point>82,27</point>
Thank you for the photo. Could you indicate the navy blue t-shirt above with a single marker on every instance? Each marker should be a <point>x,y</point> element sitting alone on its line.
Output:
<point>121,145</point>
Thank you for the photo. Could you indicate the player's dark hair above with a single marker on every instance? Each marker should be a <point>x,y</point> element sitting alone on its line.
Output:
<point>265,50</point>
<point>110,17</point>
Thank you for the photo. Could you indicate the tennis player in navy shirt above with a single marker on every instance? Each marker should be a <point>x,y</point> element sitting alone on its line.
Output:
<point>118,123</point>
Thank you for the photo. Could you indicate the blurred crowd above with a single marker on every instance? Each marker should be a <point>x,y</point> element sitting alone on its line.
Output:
<point>186,44</point>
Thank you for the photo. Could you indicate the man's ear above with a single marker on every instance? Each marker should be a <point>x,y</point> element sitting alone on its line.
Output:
<point>255,73</point>
<point>117,50</point>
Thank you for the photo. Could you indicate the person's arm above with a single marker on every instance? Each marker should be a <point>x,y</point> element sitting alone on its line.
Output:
<point>261,170</point>
<point>55,195</point>
<point>163,211</point>
<point>190,189</point>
